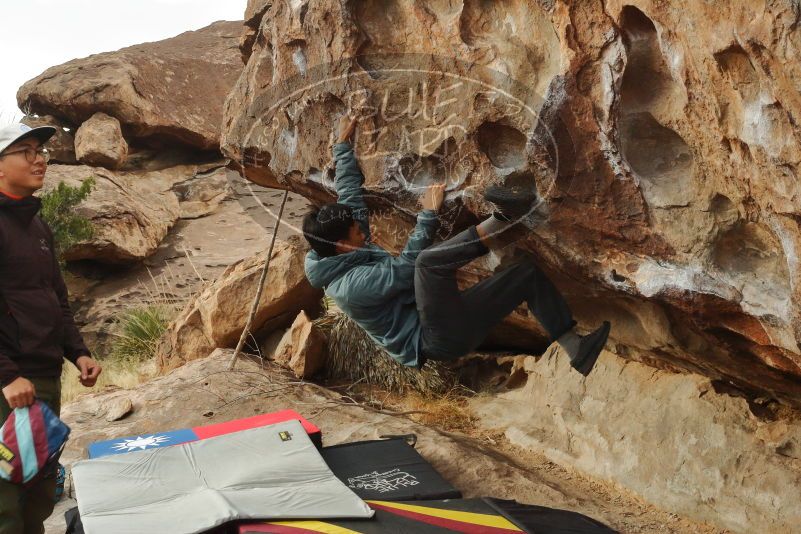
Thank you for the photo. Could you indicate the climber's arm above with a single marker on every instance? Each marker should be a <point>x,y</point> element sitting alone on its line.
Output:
<point>427,223</point>
<point>422,236</point>
<point>349,178</point>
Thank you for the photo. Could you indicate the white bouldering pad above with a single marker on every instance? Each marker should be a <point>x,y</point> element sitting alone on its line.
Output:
<point>272,472</point>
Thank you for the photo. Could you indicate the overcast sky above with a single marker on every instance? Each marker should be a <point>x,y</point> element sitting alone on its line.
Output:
<point>38,34</point>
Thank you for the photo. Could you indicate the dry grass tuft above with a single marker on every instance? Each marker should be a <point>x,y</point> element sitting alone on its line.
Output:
<point>449,411</point>
<point>353,356</point>
<point>130,357</point>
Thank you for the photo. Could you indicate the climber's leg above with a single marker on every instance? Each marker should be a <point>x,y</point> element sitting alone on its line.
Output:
<point>494,298</point>
<point>455,322</point>
<point>437,294</point>
<point>481,307</point>
<point>446,324</point>
<point>459,321</point>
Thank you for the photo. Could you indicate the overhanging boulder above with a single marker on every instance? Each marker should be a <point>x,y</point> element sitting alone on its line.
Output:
<point>165,92</point>
<point>673,216</point>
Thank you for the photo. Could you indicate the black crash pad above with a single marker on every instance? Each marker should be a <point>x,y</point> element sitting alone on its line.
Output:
<point>388,470</point>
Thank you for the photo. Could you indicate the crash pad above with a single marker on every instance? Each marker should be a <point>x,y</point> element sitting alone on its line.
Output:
<point>388,469</point>
<point>469,516</point>
<point>187,435</point>
<point>269,472</point>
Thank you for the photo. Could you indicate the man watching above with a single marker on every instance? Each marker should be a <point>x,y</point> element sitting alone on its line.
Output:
<point>37,328</point>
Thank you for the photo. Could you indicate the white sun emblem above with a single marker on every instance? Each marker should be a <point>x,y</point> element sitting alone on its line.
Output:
<point>140,443</point>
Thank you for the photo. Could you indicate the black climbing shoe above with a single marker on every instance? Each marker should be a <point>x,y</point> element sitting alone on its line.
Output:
<point>590,348</point>
<point>513,202</point>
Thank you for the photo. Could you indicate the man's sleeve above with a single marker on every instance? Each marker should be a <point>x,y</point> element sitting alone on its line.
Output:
<point>381,281</point>
<point>8,370</point>
<point>422,236</point>
<point>348,184</point>
<point>74,345</point>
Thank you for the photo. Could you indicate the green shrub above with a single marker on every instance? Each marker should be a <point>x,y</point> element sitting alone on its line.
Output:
<point>58,211</point>
<point>140,330</point>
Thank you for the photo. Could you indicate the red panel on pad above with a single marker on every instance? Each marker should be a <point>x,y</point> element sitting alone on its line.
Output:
<point>219,429</point>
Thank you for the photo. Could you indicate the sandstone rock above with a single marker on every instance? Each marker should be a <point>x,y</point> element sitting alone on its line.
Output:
<point>118,408</point>
<point>216,317</point>
<point>193,252</point>
<point>165,92</point>
<point>665,137</point>
<point>677,440</point>
<point>131,213</point>
<point>61,145</point>
<point>202,194</point>
<point>302,348</point>
<point>99,142</point>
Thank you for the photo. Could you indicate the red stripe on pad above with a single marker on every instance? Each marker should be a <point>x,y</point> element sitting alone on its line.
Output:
<point>39,434</point>
<point>275,529</point>
<point>457,526</point>
<point>219,429</point>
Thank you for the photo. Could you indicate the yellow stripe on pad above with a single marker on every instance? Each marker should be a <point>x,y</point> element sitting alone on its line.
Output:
<point>473,518</point>
<point>316,526</point>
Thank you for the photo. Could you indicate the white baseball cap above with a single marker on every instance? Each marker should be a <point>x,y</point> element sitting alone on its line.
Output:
<point>17,132</point>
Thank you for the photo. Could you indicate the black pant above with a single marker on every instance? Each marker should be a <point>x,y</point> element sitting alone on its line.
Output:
<point>456,322</point>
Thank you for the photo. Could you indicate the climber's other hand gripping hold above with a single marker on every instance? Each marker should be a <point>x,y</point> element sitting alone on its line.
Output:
<point>432,197</point>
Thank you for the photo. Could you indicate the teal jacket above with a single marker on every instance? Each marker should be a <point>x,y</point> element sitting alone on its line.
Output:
<point>370,285</point>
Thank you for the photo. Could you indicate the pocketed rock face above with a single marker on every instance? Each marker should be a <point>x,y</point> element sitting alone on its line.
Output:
<point>216,317</point>
<point>163,93</point>
<point>668,148</point>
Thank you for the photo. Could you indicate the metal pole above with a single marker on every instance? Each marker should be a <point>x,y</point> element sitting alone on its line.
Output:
<point>263,278</point>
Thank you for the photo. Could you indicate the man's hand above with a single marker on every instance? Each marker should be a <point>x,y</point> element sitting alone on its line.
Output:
<point>89,369</point>
<point>20,393</point>
<point>433,196</point>
<point>347,126</point>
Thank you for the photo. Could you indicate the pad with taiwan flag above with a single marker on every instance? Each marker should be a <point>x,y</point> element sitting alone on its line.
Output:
<point>176,437</point>
<point>30,439</point>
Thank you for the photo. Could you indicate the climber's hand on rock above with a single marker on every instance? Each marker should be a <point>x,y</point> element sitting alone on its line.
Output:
<point>433,196</point>
<point>20,393</point>
<point>347,125</point>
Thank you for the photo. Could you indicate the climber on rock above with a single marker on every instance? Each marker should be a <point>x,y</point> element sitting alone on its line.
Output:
<point>410,304</point>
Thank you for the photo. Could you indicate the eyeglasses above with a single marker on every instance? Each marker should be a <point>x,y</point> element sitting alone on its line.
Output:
<point>31,154</point>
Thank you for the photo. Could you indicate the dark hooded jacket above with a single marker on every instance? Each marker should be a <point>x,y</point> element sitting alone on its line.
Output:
<point>37,328</point>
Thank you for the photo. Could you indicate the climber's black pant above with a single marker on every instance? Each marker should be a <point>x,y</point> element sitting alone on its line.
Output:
<point>456,322</point>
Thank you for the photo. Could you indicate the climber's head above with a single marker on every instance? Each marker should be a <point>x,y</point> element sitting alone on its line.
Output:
<point>332,230</point>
